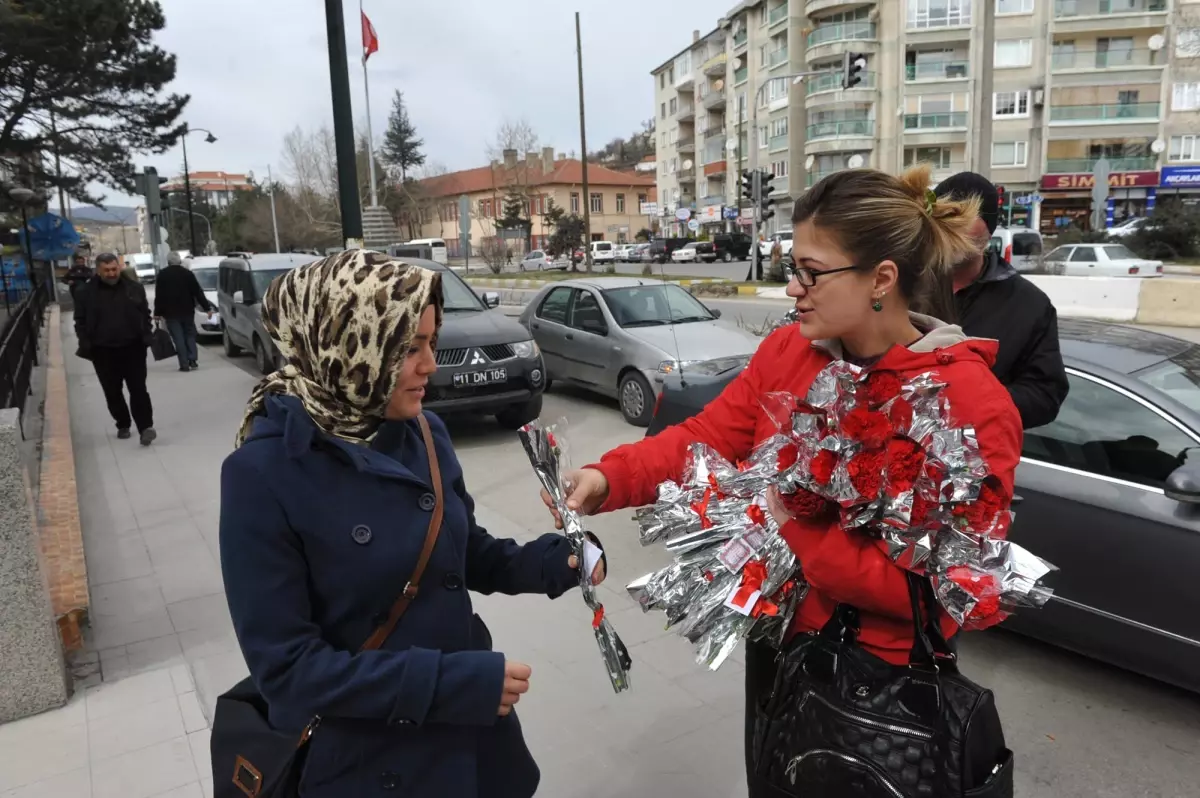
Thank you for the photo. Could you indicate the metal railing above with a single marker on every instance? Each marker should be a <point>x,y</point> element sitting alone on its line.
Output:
<point>1104,59</point>
<point>833,82</point>
<point>777,57</point>
<point>842,127</point>
<point>684,109</point>
<point>1108,112</point>
<point>19,347</point>
<point>1137,163</point>
<point>1064,9</point>
<point>936,70</point>
<point>935,121</point>
<point>741,38</point>
<point>777,143</point>
<point>777,14</point>
<point>685,144</point>
<point>713,132</point>
<point>739,75</point>
<point>841,31</point>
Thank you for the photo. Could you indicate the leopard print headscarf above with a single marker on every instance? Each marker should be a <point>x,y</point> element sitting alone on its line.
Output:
<point>344,325</point>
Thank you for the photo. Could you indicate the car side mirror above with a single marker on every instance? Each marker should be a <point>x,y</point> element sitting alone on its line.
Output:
<point>491,299</point>
<point>716,312</point>
<point>1183,484</point>
<point>239,298</point>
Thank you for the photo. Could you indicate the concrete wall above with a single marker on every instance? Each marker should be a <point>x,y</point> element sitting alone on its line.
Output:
<point>32,671</point>
<point>1109,298</point>
<point>1170,302</point>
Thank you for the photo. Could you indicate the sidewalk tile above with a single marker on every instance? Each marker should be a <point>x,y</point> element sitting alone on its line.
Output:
<point>43,746</point>
<point>72,784</point>
<point>119,559</point>
<point>114,698</point>
<point>145,773</point>
<point>160,652</point>
<point>134,729</point>
<point>216,674</point>
<point>193,716</point>
<point>205,612</point>
<point>201,756</point>
<point>181,678</point>
<point>186,791</point>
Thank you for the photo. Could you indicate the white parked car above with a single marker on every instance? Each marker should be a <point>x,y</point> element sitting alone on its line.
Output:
<point>143,264</point>
<point>688,253</point>
<point>1101,260</point>
<point>205,269</point>
<point>535,261</point>
<point>1127,227</point>
<point>785,243</point>
<point>622,252</point>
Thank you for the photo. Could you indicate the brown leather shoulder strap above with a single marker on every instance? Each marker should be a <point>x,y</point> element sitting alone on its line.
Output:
<point>435,526</point>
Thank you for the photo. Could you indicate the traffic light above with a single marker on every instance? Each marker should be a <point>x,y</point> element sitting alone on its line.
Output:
<point>748,185</point>
<point>765,201</point>
<point>852,64</point>
<point>148,183</point>
<point>1003,196</point>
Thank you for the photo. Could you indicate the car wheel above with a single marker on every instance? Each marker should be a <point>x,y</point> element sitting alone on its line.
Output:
<point>260,357</point>
<point>517,416</point>
<point>636,399</point>
<point>231,349</point>
<point>727,257</point>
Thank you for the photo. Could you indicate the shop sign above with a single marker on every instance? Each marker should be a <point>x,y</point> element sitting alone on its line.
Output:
<point>1084,180</point>
<point>1180,177</point>
<point>710,213</point>
<point>731,213</point>
<point>649,209</point>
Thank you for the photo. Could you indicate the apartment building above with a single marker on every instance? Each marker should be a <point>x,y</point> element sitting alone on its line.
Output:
<point>616,200</point>
<point>1073,81</point>
<point>216,188</point>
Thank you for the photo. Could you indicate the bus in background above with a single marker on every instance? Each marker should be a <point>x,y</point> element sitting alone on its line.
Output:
<point>436,244</point>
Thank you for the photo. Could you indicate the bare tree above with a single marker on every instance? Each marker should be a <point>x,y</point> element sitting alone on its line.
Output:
<point>310,164</point>
<point>516,135</point>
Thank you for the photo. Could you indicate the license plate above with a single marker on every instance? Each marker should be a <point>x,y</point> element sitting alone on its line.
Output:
<point>469,379</point>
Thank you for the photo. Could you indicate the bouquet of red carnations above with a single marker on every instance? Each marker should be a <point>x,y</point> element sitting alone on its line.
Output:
<point>867,449</point>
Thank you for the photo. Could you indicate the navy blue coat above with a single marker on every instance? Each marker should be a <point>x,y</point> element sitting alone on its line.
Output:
<point>318,537</point>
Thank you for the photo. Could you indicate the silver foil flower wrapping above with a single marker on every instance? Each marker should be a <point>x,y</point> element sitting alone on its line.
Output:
<point>548,457</point>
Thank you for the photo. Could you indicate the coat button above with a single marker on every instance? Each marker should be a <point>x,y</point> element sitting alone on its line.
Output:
<point>944,357</point>
<point>361,534</point>
<point>452,581</point>
<point>389,780</point>
<point>427,501</point>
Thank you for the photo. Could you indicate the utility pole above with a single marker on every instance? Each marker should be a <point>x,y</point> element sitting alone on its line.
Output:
<point>274,223</point>
<point>983,159</point>
<point>587,200</point>
<point>343,125</point>
<point>62,201</point>
<point>370,140</point>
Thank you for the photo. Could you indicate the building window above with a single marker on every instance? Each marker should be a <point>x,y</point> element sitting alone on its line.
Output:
<point>620,203</point>
<point>674,105</point>
<point>671,76</point>
<point>779,168</point>
<point>938,13</point>
<point>1008,153</point>
<point>662,113</point>
<point>1187,42</point>
<point>1183,148</point>
<point>596,203</point>
<point>674,165</point>
<point>1014,6</point>
<point>1010,105</point>
<point>763,136</point>
<point>937,157</point>
<point>1185,97</point>
<point>662,80</point>
<point>574,202</point>
<point>1013,53</point>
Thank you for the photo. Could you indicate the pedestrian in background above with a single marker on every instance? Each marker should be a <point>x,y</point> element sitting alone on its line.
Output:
<point>776,256</point>
<point>177,294</point>
<point>78,274</point>
<point>112,323</point>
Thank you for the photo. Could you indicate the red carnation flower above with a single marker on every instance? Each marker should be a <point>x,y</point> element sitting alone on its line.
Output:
<point>904,461</point>
<point>866,472</point>
<point>870,427</point>
<point>788,456</point>
<point>805,504</point>
<point>878,388</point>
<point>901,415</point>
<point>980,514</point>
<point>922,508</point>
<point>983,588</point>
<point>822,466</point>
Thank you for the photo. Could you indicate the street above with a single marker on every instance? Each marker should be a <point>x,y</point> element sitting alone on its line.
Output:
<point>165,648</point>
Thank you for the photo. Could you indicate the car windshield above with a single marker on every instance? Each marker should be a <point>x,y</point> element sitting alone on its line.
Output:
<point>690,246</point>
<point>653,305</point>
<point>262,279</point>
<point>1027,244</point>
<point>207,278</point>
<point>456,296</point>
<point>1178,378</point>
<point>1119,252</point>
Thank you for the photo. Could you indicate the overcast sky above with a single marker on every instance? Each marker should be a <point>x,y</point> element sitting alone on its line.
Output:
<point>258,69</point>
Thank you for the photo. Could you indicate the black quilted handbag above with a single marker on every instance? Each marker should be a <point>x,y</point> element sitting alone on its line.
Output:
<point>842,723</point>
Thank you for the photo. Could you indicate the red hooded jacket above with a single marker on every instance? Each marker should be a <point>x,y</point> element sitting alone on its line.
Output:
<point>840,566</point>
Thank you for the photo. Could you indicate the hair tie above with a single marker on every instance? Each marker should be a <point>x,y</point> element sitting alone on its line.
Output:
<point>930,201</point>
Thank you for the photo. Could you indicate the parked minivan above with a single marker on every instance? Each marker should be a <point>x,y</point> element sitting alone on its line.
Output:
<point>1018,246</point>
<point>241,284</point>
<point>602,252</point>
<point>436,244</point>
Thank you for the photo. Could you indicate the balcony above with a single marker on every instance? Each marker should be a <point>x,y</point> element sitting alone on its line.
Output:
<point>713,132</point>
<point>685,80</point>
<point>685,111</point>
<point>844,127</point>
<point>936,70</point>
<point>687,144</point>
<point>714,151</point>
<point>740,75</point>
<point>715,168</point>
<point>777,15</point>
<point>1140,163</point>
<point>833,82</point>
<point>777,143</point>
<point>740,38</point>
<point>686,175</point>
<point>777,57</point>
<point>951,120</point>
<point>816,177</point>
<point>1109,113</point>
<point>779,185</point>
<point>1063,60</point>
<point>713,99</point>
<point>1070,9</point>
<point>934,18</point>
<point>712,199</point>
<point>715,66</point>
<point>841,32</point>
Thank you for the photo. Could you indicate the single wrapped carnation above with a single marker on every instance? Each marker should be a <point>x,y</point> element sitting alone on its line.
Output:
<point>866,472</point>
<point>905,459</point>
<point>869,427</point>
<point>879,388</point>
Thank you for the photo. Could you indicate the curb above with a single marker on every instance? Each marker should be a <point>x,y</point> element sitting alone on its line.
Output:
<point>59,534</point>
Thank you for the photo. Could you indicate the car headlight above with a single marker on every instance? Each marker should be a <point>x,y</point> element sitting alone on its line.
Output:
<point>708,368</point>
<point>525,349</point>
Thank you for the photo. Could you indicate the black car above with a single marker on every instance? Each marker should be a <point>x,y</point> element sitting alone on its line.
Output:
<point>487,363</point>
<point>661,248</point>
<point>1109,492</point>
<point>728,247</point>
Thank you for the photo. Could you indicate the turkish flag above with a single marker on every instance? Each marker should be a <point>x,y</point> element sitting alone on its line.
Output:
<point>370,40</point>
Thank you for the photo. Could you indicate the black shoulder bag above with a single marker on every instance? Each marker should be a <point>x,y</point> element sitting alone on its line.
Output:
<point>842,723</point>
<point>250,758</point>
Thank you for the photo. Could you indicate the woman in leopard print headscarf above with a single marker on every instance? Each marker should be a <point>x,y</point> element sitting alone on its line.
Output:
<point>343,324</point>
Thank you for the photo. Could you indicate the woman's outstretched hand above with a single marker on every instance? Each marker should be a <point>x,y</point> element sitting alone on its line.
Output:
<point>516,682</point>
<point>588,490</point>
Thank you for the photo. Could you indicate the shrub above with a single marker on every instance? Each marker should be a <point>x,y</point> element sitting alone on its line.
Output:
<point>1173,231</point>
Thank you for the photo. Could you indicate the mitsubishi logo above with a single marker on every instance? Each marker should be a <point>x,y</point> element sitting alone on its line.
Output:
<point>477,358</point>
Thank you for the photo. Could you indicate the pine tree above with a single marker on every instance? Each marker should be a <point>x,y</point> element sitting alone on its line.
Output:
<point>401,148</point>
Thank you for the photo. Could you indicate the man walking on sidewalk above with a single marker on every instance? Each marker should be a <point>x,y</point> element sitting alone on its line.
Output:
<point>112,322</point>
<point>177,294</point>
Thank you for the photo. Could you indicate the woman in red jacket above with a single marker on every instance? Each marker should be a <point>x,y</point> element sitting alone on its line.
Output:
<point>868,248</point>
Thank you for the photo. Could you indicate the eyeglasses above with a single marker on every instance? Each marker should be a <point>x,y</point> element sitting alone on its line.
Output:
<point>808,277</point>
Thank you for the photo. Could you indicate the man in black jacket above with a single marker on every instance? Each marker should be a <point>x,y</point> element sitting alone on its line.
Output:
<point>177,294</point>
<point>112,323</point>
<point>993,301</point>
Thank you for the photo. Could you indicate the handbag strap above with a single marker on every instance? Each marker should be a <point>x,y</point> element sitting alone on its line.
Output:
<point>929,644</point>
<point>406,597</point>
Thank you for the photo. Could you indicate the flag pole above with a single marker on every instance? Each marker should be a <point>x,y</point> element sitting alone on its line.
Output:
<point>370,141</point>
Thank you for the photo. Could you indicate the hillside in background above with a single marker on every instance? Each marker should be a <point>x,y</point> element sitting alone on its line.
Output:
<point>113,214</point>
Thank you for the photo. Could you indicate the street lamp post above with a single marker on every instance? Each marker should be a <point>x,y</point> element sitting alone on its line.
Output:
<point>187,179</point>
<point>22,197</point>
